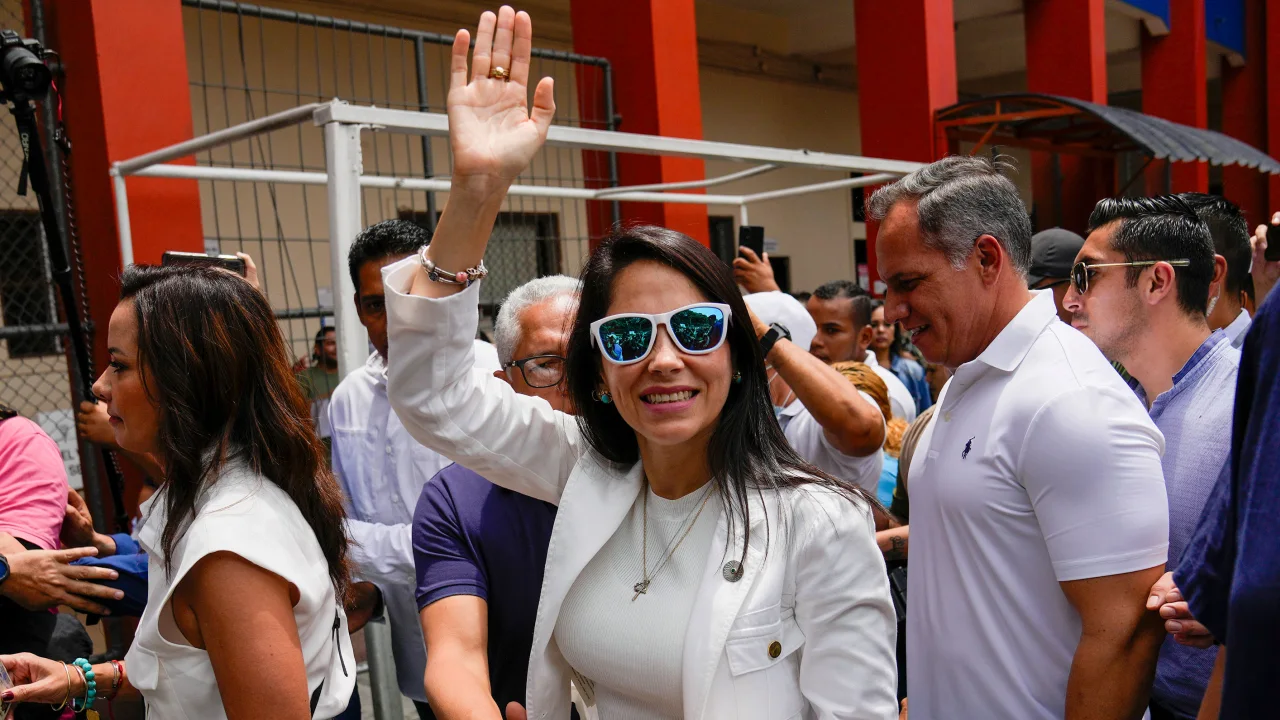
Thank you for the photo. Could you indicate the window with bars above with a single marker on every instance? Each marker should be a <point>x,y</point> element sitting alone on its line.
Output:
<point>26,290</point>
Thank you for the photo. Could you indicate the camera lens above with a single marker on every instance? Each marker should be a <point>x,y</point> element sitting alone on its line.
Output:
<point>23,72</point>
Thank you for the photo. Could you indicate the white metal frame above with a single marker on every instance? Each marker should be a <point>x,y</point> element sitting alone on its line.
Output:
<point>344,177</point>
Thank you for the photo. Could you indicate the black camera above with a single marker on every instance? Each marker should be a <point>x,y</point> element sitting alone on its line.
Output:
<point>23,73</point>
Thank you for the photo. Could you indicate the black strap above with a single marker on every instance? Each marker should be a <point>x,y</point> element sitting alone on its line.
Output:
<point>337,639</point>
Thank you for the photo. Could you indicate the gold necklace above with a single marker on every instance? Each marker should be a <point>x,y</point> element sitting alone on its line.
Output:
<point>642,587</point>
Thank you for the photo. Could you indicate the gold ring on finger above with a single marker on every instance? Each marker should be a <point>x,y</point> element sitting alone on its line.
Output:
<point>500,73</point>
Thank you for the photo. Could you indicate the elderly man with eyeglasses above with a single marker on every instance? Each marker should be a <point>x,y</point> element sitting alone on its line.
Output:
<point>1140,291</point>
<point>480,549</point>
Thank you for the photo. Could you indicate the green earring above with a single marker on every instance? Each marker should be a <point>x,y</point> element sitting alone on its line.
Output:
<point>603,396</point>
<point>737,377</point>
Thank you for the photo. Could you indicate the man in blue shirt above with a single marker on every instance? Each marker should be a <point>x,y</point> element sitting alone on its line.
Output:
<point>1148,264</point>
<point>480,549</point>
<point>1230,572</point>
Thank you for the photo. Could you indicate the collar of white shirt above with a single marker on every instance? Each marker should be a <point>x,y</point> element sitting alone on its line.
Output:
<point>1015,340</point>
<point>377,369</point>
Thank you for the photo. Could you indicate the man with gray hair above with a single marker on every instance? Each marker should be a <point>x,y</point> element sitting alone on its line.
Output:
<point>1039,518</point>
<point>479,548</point>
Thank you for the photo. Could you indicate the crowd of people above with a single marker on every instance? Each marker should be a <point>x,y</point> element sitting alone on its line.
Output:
<point>1084,426</point>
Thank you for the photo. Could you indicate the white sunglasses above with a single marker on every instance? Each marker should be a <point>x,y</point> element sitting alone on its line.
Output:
<point>627,338</point>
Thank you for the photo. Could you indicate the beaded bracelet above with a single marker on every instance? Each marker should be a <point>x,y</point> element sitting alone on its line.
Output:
<point>90,686</point>
<point>464,278</point>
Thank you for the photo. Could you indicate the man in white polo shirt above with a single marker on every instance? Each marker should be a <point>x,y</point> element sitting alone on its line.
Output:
<point>1039,518</point>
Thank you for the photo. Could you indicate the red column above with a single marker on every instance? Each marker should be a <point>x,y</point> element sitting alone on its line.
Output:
<point>125,93</point>
<point>906,52</point>
<point>1244,115</point>
<point>1067,55</point>
<point>1174,87</point>
<point>653,48</point>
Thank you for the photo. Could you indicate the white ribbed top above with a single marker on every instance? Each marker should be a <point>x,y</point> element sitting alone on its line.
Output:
<point>633,651</point>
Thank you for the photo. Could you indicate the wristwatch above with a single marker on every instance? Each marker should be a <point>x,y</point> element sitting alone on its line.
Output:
<point>775,333</point>
<point>4,569</point>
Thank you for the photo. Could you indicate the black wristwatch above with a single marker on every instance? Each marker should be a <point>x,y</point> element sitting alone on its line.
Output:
<point>775,333</point>
<point>4,569</point>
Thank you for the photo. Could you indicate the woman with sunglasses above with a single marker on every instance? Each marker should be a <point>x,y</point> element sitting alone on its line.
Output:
<point>247,567</point>
<point>697,568</point>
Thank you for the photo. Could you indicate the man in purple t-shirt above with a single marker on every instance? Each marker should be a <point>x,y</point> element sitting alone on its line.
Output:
<point>479,549</point>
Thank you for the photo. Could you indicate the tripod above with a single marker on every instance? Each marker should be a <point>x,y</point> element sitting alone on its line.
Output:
<point>34,168</point>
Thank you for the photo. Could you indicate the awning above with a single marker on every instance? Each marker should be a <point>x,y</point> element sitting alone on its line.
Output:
<point>1067,125</point>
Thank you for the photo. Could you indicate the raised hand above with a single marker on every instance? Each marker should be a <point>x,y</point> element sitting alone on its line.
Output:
<point>1265,273</point>
<point>493,132</point>
<point>752,272</point>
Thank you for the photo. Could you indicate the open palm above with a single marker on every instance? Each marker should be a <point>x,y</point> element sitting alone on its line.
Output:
<point>493,132</point>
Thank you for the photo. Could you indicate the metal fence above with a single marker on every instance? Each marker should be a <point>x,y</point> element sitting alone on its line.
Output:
<point>33,360</point>
<point>247,61</point>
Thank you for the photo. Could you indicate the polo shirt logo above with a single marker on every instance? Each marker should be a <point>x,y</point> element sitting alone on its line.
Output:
<point>968,445</point>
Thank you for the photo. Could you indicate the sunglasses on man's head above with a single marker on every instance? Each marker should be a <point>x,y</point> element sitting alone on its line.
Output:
<point>629,337</point>
<point>1082,271</point>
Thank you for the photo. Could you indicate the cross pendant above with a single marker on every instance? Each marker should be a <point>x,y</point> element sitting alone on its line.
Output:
<point>640,588</point>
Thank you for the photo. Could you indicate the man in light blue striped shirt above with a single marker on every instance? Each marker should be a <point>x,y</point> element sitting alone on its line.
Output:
<point>1142,297</point>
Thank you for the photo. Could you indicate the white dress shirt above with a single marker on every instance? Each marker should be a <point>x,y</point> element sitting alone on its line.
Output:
<point>1040,467</point>
<point>900,401</point>
<point>1238,329</point>
<point>382,470</point>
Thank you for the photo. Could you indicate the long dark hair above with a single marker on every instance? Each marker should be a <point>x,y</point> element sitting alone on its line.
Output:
<point>747,451</point>
<point>215,365</point>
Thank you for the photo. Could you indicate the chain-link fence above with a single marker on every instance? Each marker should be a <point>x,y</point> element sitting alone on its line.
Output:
<point>247,61</point>
<point>33,360</point>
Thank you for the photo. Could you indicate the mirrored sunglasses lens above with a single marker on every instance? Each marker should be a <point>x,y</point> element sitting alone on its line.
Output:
<point>626,339</point>
<point>698,329</point>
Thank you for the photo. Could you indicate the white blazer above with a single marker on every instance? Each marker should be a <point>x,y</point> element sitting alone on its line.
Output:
<point>820,593</point>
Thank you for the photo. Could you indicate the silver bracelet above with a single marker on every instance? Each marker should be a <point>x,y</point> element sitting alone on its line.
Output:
<point>436,274</point>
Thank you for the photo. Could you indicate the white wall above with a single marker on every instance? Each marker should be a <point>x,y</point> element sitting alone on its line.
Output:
<point>815,231</point>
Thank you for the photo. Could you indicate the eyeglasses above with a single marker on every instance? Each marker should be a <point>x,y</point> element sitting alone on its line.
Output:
<point>627,338</point>
<point>540,371</point>
<point>1082,271</point>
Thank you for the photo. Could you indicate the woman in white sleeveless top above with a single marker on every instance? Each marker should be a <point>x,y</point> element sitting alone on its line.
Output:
<point>248,560</point>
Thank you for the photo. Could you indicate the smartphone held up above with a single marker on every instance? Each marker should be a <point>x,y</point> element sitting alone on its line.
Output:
<point>226,262</point>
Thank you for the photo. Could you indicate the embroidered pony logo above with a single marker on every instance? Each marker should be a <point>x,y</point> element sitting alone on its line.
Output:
<point>967,447</point>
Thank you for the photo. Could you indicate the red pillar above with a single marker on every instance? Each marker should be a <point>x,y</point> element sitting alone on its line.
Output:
<point>1174,87</point>
<point>1244,115</point>
<point>125,93</point>
<point>653,48</point>
<point>1067,55</point>
<point>906,51</point>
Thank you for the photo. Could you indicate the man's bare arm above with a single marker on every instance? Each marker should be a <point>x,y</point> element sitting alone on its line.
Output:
<point>1115,661</point>
<point>894,542</point>
<point>457,678</point>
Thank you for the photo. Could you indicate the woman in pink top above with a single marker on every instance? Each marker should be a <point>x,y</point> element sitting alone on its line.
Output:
<point>33,484</point>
